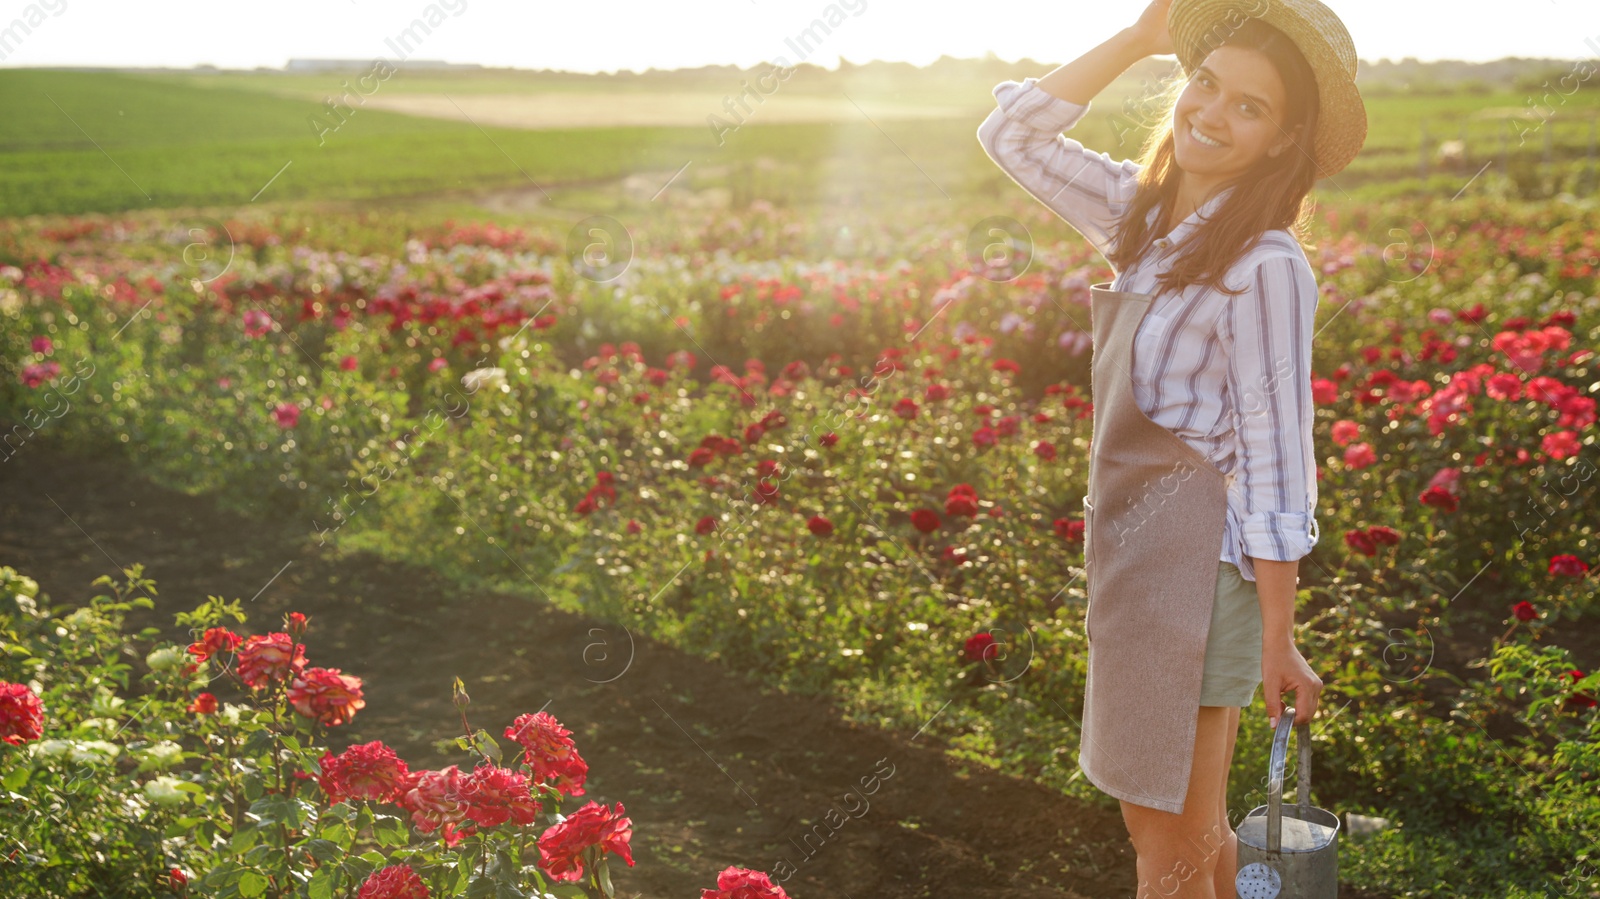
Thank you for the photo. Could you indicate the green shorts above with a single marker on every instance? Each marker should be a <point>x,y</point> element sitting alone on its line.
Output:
<point>1233,645</point>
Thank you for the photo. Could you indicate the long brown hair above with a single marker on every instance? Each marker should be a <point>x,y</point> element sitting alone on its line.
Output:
<point>1273,194</point>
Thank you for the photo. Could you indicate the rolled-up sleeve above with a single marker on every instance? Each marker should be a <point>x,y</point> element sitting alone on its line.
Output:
<point>1023,136</point>
<point>1266,334</point>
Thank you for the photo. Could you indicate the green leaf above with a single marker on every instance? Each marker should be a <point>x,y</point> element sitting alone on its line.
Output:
<point>487,746</point>
<point>390,832</point>
<point>324,850</point>
<point>252,884</point>
<point>321,886</point>
<point>15,778</point>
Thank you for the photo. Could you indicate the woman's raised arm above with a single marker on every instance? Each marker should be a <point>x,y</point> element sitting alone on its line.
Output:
<point>1088,189</point>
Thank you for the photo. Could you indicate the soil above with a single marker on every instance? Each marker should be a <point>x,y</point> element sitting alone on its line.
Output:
<point>713,769</point>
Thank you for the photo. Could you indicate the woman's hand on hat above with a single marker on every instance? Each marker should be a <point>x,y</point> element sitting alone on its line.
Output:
<point>1284,670</point>
<point>1151,29</point>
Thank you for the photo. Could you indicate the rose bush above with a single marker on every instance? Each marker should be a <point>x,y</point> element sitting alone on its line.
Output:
<point>116,788</point>
<point>857,465</point>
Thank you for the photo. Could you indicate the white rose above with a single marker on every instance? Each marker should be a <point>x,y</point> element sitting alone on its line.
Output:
<point>106,702</point>
<point>160,755</point>
<point>165,658</point>
<point>479,378</point>
<point>164,790</point>
<point>52,749</point>
<point>82,618</point>
<point>95,752</point>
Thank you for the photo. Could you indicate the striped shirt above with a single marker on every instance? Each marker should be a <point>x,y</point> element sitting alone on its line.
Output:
<point>1230,376</point>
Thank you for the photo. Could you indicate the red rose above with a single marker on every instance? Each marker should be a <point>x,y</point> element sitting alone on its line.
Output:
<point>984,436</point>
<point>705,525</point>
<point>1383,535</point>
<point>820,526</point>
<point>547,749</point>
<point>1360,542</point>
<point>1579,700</point>
<point>1568,566</point>
<point>367,771</point>
<point>743,883</point>
<point>1524,611</point>
<point>348,363</point>
<point>1324,392</point>
<point>962,500</point>
<point>906,408</point>
<point>980,646</point>
<point>21,714</point>
<point>295,624</point>
<point>326,696</point>
<point>633,527</point>
<point>204,704</point>
<point>925,520</point>
<point>1045,450</point>
<point>1360,455</point>
<point>393,882</point>
<point>177,881</point>
<point>561,847</point>
<point>1069,529</point>
<point>434,800</point>
<point>215,640</point>
<point>829,439</point>
<point>287,415</point>
<point>39,372</point>
<point>495,795</point>
<point>274,657</point>
<point>1439,498</point>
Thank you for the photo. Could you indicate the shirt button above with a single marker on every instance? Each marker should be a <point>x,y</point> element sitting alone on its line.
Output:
<point>1163,243</point>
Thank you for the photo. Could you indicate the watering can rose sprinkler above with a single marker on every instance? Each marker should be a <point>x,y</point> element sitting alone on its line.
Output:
<point>1294,855</point>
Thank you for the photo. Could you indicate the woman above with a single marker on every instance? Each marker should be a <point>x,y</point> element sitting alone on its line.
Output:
<point>1202,479</point>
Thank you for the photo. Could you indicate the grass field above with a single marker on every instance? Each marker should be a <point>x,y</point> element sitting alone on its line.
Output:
<point>104,142</point>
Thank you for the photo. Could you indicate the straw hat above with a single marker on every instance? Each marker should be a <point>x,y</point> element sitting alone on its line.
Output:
<point>1199,26</point>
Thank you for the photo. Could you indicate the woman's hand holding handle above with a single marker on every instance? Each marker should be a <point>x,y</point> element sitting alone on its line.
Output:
<point>1283,670</point>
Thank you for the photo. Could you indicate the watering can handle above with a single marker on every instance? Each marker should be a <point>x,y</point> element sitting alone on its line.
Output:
<point>1280,754</point>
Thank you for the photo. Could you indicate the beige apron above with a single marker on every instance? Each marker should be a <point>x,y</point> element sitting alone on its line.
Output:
<point>1153,525</point>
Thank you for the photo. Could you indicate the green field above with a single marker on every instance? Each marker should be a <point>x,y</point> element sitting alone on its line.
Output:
<point>81,142</point>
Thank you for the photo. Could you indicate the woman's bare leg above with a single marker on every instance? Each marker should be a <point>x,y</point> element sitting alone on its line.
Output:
<point>1228,862</point>
<point>1178,853</point>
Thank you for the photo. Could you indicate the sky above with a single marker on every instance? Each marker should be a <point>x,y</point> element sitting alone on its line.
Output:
<point>611,35</point>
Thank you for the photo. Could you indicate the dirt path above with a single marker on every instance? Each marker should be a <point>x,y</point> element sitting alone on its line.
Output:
<point>714,771</point>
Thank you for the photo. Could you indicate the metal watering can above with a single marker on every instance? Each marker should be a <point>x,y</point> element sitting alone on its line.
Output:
<point>1295,856</point>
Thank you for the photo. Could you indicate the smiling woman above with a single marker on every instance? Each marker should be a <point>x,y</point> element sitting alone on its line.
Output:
<point>1202,364</point>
